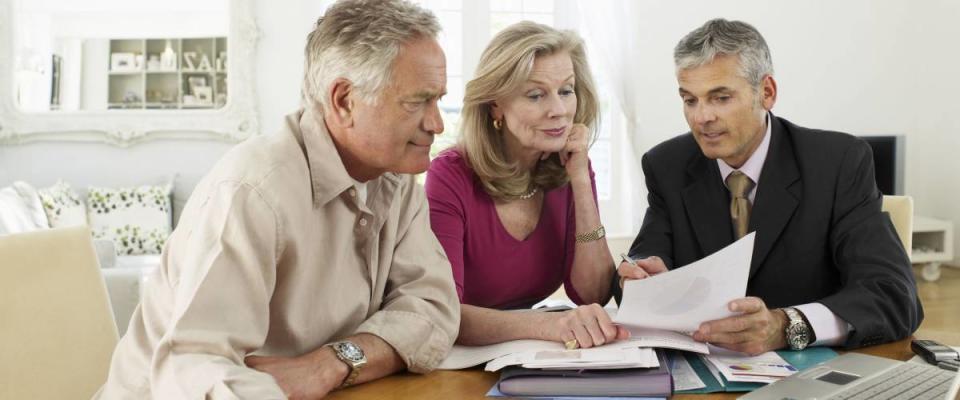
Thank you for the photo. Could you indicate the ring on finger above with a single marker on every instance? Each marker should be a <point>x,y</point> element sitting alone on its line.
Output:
<point>571,344</point>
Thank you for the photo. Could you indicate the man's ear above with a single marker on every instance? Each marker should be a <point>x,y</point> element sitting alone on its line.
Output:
<point>768,90</point>
<point>341,103</point>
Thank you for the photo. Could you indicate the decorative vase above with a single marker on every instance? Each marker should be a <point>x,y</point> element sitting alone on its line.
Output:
<point>168,59</point>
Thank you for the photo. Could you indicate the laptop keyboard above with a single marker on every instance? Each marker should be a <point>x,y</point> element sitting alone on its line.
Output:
<point>906,381</point>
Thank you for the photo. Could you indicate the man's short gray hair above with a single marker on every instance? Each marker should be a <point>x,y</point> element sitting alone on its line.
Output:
<point>721,37</point>
<point>358,40</point>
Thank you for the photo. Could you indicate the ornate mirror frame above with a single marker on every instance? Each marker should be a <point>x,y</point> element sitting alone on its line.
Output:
<point>235,121</point>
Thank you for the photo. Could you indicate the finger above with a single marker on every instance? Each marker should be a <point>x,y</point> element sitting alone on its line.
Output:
<point>544,156</point>
<point>630,271</point>
<point>622,333</point>
<point>583,336</point>
<point>254,361</point>
<point>592,325</point>
<point>652,265</point>
<point>606,324</point>
<point>750,325</point>
<point>747,305</point>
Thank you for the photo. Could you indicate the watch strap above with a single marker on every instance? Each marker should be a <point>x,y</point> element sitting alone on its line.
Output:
<point>591,236</point>
<point>355,366</point>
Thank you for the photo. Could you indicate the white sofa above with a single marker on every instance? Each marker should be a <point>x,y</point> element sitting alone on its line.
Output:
<point>20,211</point>
<point>124,277</point>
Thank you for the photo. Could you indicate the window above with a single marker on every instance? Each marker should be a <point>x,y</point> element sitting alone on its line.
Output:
<point>468,26</point>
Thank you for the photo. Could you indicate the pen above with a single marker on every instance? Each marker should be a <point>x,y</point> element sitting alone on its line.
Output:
<point>627,259</point>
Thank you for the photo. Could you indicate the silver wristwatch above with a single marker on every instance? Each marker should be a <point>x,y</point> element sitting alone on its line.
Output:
<point>351,354</point>
<point>797,332</point>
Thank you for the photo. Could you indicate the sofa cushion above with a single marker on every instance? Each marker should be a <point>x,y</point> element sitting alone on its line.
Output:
<point>136,219</point>
<point>21,209</point>
<point>63,206</point>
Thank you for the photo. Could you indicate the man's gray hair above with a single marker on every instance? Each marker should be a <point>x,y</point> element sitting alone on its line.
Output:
<point>359,40</point>
<point>721,37</point>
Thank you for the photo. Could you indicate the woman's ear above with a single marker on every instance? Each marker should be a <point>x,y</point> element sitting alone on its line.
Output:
<point>341,102</point>
<point>495,111</point>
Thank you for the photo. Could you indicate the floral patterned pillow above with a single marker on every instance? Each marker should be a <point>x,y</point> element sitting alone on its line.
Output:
<point>137,219</point>
<point>62,205</point>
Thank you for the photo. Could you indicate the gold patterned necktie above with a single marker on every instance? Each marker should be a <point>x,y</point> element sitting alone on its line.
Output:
<point>739,185</point>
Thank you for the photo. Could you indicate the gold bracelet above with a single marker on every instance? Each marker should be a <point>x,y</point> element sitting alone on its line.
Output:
<point>591,236</point>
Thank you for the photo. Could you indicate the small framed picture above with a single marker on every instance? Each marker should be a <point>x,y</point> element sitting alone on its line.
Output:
<point>122,62</point>
<point>196,82</point>
<point>204,94</point>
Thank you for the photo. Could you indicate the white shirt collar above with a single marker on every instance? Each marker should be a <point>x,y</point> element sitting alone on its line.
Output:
<point>754,164</point>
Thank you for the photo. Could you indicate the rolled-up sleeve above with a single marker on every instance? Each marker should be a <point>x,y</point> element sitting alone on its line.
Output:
<point>420,317</point>
<point>221,297</point>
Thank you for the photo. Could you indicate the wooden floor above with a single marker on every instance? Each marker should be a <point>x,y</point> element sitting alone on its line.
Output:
<point>941,306</point>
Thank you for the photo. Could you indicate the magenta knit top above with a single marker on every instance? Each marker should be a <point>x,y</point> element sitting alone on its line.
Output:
<point>490,267</point>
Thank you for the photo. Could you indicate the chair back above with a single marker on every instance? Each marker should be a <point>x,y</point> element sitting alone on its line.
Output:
<point>57,332</point>
<point>900,209</point>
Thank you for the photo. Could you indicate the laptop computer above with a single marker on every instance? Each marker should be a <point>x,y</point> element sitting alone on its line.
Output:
<point>862,376</point>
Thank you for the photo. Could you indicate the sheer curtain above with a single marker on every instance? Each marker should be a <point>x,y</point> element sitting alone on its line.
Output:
<point>614,39</point>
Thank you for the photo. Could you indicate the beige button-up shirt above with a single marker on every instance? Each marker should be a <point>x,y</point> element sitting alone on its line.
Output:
<point>276,255</point>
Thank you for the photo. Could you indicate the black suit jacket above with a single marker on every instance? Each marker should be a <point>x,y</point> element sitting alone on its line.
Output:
<point>821,236</point>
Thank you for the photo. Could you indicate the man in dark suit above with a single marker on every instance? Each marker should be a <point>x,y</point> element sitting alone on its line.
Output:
<point>827,267</point>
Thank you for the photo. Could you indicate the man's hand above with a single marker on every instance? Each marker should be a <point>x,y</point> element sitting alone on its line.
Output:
<point>310,376</point>
<point>756,331</point>
<point>644,268</point>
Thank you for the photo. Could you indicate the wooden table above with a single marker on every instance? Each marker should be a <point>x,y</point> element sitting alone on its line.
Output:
<point>474,383</point>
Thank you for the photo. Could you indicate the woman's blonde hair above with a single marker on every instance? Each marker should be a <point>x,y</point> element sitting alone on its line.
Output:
<point>504,66</point>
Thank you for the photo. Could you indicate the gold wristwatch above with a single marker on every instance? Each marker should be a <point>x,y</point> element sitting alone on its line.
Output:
<point>351,354</point>
<point>595,234</point>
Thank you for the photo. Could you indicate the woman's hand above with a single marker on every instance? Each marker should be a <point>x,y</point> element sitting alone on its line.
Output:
<point>590,325</point>
<point>574,155</point>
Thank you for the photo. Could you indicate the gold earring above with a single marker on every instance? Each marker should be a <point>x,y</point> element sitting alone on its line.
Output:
<point>497,124</point>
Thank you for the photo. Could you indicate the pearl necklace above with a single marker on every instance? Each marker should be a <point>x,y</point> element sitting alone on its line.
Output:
<point>528,195</point>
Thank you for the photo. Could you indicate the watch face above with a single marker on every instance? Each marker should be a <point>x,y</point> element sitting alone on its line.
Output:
<point>350,351</point>
<point>797,336</point>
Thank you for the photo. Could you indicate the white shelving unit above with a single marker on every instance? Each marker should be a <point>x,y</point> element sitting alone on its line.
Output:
<point>932,245</point>
<point>197,80</point>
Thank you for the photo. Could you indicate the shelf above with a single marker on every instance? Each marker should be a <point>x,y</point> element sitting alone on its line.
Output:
<point>171,73</point>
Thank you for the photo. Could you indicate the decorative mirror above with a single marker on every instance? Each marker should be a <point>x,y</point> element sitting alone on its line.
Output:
<point>122,71</point>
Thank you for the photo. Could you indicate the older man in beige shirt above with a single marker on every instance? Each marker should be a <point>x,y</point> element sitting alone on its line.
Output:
<point>309,237</point>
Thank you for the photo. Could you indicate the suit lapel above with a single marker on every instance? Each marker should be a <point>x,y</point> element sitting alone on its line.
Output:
<point>778,194</point>
<point>707,205</point>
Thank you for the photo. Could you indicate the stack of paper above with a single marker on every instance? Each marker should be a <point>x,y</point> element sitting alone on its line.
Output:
<point>768,367</point>
<point>602,357</point>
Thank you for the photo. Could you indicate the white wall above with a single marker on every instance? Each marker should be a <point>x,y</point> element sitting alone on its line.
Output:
<point>860,66</point>
<point>279,68</point>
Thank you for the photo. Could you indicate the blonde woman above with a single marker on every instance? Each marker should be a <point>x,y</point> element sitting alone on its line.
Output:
<point>514,203</point>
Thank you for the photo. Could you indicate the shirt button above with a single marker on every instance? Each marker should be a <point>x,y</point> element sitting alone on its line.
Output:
<point>363,222</point>
<point>353,192</point>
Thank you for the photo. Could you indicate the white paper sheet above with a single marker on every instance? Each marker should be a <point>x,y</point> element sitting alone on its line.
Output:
<point>647,337</point>
<point>681,299</point>
<point>461,357</point>
<point>613,355</point>
<point>768,367</point>
<point>684,377</point>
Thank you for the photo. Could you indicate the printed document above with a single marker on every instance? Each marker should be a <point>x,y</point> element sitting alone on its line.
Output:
<point>681,299</point>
